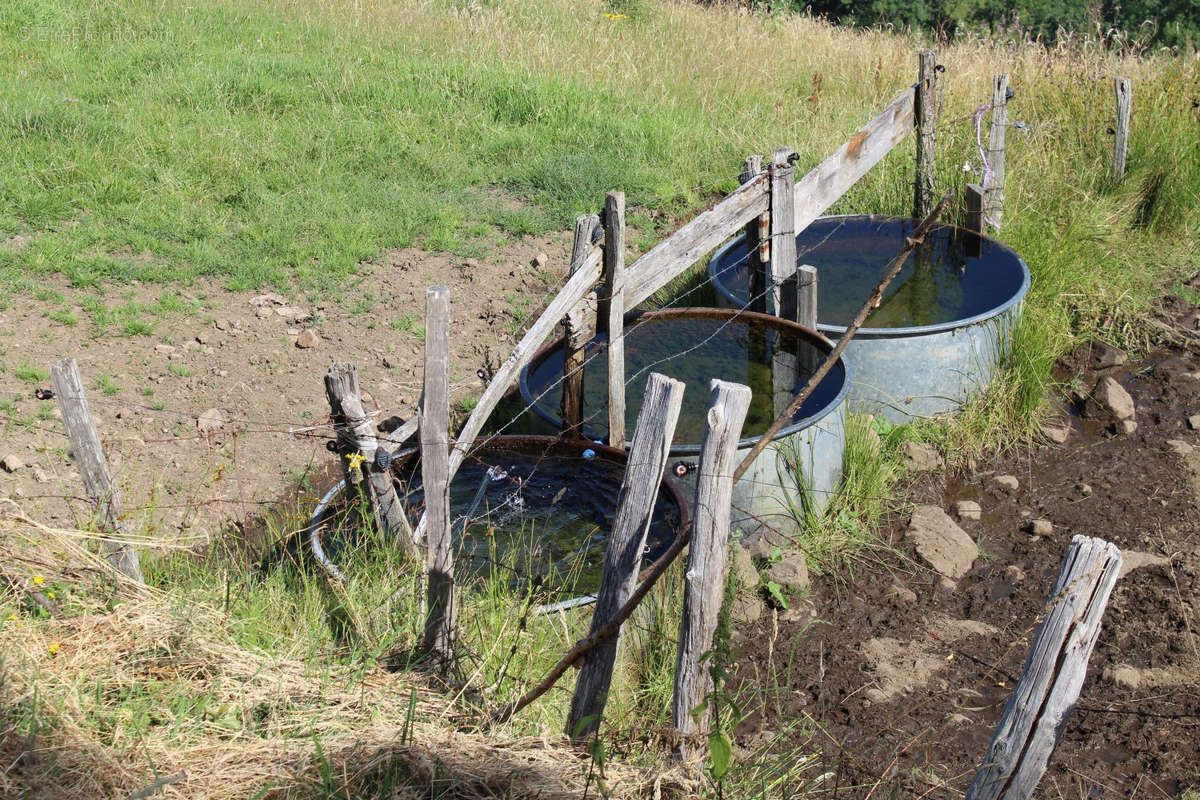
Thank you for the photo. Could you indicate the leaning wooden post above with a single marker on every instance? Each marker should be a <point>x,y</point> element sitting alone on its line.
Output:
<point>995,190</point>
<point>782,264</point>
<point>579,327</point>
<point>705,580</point>
<point>93,466</point>
<point>1037,711</point>
<point>758,244</point>
<point>926,115</point>
<point>1124,107</point>
<point>359,449</point>
<point>435,477</point>
<point>612,311</point>
<point>626,541</point>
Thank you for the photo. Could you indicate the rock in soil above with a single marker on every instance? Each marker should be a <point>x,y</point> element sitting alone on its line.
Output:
<point>11,463</point>
<point>1125,426</point>
<point>1056,430</point>
<point>1105,356</point>
<point>747,607</point>
<point>1112,398</point>
<point>940,542</point>
<point>920,457</point>
<point>790,572</point>
<point>743,570</point>
<point>968,509</point>
<point>211,420</point>
<point>1041,527</point>
<point>1006,483</point>
<point>1193,422</point>
<point>1134,559</point>
<point>307,338</point>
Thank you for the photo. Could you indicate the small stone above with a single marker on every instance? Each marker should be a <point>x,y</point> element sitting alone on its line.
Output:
<point>746,608</point>
<point>743,569</point>
<point>1133,559</point>
<point>968,509</point>
<point>539,261</point>
<point>940,542</point>
<point>1193,422</point>
<point>790,572</point>
<point>264,312</point>
<point>1125,427</point>
<point>40,476</point>
<point>293,331</point>
<point>1084,489</point>
<point>947,585</point>
<point>1179,446</point>
<point>801,612</point>
<point>921,457</point>
<point>1105,356</point>
<point>164,348</point>
<point>1113,397</point>
<point>1006,483</point>
<point>269,299</point>
<point>1041,527</point>
<point>387,363</point>
<point>211,420</point>
<point>1056,430</point>
<point>222,324</point>
<point>901,595</point>
<point>11,463</point>
<point>203,338</point>
<point>1014,574</point>
<point>1125,676</point>
<point>307,338</point>
<point>222,373</point>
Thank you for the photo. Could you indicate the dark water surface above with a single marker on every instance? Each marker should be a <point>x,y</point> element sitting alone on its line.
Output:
<point>773,362</point>
<point>954,275</point>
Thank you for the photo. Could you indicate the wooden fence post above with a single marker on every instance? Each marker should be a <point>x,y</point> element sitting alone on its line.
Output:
<point>782,264</point>
<point>705,580</point>
<point>806,296</point>
<point>995,191</point>
<point>93,466</point>
<point>639,489</point>
<point>612,310</point>
<point>435,478</point>
<point>926,122</point>
<point>1124,106</point>
<point>975,197</point>
<point>356,439</point>
<point>579,327</point>
<point>758,246</point>
<point>1054,672</point>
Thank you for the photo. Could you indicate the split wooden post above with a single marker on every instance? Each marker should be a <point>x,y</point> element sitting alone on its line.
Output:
<point>705,580</point>
<point>1054,672</point>
<point>612,311</point>
<point>1124,107</point>
<point>435,478</point>
<point>579,327</point>
<point>995,190</point>
<point>626,541</point>
<point>806,296</point>
<point>926,123</point>
<point>758,246</point>
<point>93,466</point>
<point>782,264</point>
<point>359,448</point>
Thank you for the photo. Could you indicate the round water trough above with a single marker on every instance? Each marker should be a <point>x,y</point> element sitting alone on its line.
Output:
<point>945,322</point>
<point>774,357</point>
<point>524,509</point>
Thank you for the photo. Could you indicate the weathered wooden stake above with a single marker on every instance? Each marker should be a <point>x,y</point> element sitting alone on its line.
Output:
<point>705,580</point>
<point>995,191</point>
<point>782,264</point>
<point>612,311</point>
<point>356,439</point>
<point>639,489</point>
<point>756,264</point>
<point>1037,711</point>
<point>579,327</point>
<point>975,198</point>
<point>806,296</point>
<point>435,477</point>
<point>93,466</point>
<point>926,122</point>
<point>1124,107</point>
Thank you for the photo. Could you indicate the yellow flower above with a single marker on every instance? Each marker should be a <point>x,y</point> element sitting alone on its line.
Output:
<point>50,595</point>
<point>11,617</point>
<point>616,16</point>
<point>356,460</point>
<point>38,580</point>
<point>54,648</point>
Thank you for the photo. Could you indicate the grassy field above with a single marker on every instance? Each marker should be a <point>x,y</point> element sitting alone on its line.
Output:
<point>286,142</point>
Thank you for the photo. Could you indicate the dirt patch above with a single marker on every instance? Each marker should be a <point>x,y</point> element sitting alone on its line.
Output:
<point>248,356</point>
<point>900,693</point>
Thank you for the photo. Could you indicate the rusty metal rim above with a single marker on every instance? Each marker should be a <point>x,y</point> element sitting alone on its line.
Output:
<point>814,336</point>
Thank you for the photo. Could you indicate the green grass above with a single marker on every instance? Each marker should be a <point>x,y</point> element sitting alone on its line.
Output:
<point>31,374</point>
<point>106,384</point>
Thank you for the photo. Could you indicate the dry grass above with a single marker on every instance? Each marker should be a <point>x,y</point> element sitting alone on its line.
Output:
<point>132,695</point>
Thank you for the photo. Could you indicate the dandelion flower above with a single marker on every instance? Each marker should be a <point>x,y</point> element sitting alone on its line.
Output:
<point>38,580</point>
<point>616,16</point>
<point>50,595</point>
<point>54,648</point>
<point>11,617</point>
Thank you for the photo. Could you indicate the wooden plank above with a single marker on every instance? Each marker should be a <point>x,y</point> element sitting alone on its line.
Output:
<point>1054,673</point>
<point>926,122</point>
<point>756,267</point>
<point>704,586</point>
<point>830,179</point>
<point>612,312</point>
<point>580,283</point>
<point>88,453</point>
<point>782,264</point>
<point>1124,92</point>
<point>435,478</point>
<point>578,326</point>
<point>355,438</point>
<point>626,541</point>
<point>995,191</point>
<point>669,258</point>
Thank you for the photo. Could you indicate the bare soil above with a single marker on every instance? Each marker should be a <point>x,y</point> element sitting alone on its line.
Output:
<point>905,685</point>
<point>240,353</point>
